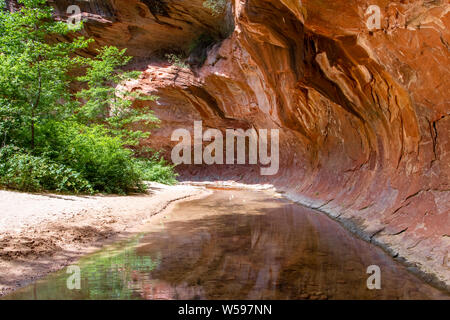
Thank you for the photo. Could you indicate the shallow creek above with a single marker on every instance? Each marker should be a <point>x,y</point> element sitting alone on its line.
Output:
<point>236,244</point>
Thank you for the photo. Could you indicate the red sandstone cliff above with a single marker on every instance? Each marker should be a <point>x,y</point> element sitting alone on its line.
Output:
<point>364,116</point>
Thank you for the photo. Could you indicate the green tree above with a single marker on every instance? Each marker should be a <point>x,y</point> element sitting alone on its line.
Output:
<point>34,70</point>
<point>104,102</point>
<point>53,138</point>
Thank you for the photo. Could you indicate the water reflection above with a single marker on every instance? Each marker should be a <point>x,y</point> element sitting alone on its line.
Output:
<point>237,245</point>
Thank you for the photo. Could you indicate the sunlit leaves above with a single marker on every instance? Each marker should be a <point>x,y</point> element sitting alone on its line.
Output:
<point>104,101</point>
<point>34,71</point>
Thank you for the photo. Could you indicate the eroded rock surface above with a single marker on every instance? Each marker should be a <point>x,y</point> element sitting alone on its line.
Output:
<point>364,116</point>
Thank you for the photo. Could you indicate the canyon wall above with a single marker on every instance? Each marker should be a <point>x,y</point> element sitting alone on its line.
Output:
<point>364,116</point>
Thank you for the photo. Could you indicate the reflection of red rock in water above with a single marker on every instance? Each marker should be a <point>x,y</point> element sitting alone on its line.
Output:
<point>161,290</point>
<point>157,291</point>
<point>364,117</point>
<point>264,248</point>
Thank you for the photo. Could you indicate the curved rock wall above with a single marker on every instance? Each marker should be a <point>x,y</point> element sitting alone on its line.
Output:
<point>364,116</point>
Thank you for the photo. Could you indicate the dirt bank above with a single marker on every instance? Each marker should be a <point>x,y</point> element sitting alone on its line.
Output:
<point>42,233</point>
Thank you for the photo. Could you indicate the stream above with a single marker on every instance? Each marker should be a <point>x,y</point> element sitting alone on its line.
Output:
<point>236,244</point>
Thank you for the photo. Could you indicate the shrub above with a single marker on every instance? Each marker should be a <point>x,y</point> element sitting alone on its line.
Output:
<point>217,7</point>
<point>72,141</point>
<point>101,159</point>
<point>177,60</point>
<point>157,170</point>
<point>23,171</point>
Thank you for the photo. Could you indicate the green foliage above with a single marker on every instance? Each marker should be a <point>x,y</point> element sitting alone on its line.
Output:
<point>23,171</point>
<point>101,158</point>
<point>34,72</point>
<point>105,103</point>
<point>70,142</point>
<point>217,7</point>
<point>77,158</point>
<point>177,60</point>
<point>156,169</point>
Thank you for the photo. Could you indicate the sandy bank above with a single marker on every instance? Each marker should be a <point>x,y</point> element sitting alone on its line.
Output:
<point>41,233</point>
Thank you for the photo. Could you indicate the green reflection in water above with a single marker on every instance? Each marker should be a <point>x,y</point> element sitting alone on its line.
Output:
<point>108,274</point>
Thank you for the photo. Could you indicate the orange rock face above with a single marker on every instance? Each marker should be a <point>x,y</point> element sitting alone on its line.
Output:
<point>364,116</point>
